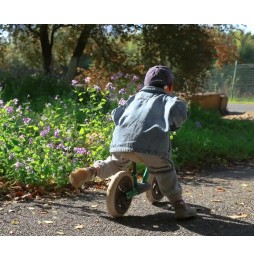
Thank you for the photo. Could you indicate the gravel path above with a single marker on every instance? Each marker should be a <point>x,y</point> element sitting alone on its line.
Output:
<point>240,107</point>
<point>224,200</point>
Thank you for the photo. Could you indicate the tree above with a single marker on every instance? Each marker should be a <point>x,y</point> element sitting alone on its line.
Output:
<point>246,50</point>
<point>78,36</point>
<point>190,50</point>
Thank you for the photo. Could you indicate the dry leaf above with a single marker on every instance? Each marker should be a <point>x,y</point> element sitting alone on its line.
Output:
<point>15,222</point>
<point>19,193</point>
<point>48,221</point>
<point>60,232</point>
<point>239,215</point>
<point>79,227</point>
<point>27,196</point>
<point>220,189</point>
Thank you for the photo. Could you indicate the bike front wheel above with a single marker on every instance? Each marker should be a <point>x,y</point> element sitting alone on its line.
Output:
<point>116,198</point>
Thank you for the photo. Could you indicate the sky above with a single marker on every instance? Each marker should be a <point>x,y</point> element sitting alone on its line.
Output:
<point>131,11</point>
<point>249,28</point>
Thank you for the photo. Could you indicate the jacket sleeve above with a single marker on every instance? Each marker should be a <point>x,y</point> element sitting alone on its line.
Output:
<point>118,112</point>
<point>178,114</point>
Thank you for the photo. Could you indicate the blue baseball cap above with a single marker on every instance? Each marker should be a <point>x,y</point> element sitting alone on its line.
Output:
<point>159,76</point>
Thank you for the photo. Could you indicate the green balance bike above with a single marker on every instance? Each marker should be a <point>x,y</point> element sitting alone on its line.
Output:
<point>125,185</point>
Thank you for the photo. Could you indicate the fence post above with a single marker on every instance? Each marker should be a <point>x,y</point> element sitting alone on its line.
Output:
<point>233,82</point>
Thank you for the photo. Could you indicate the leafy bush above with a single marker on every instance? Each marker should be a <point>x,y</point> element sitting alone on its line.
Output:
<point>42,146</point>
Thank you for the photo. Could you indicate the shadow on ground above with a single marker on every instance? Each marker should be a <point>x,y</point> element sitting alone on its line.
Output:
<point>206,224</point>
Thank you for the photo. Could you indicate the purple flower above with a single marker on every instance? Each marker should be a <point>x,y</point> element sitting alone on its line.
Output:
<point>30,141</point>
<point>87,79</point>
<point>27,120</point>
<point>22,137</point>
<point>122,102</point>
<point>80,151</point>
<point>9,109</point>
<point>122,91</point>
<point>45,131</point>
<point>74,82</point>
<point>97,88</point>
<point>18,165</point>
<point>15,101</point>
<point>57,133</point>
<point>109,85</point>
<point>50,145</point>
<point>60,146</point>
<point>19,108</point>
<point>135,78</point>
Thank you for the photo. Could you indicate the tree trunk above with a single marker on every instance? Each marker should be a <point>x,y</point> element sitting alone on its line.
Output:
<point>46,48</point>
<point>81,44</point>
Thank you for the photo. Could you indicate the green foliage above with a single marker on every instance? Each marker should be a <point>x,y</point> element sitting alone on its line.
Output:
<point>43,140</point>
<point>246,50</point>
<point>207,139</point>
<point>43,148</point>
<point>26,85</point>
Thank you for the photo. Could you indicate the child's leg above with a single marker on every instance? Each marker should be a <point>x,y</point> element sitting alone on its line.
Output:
<point>101,168</point>
<point>114,163</point>
<point>164,171</point>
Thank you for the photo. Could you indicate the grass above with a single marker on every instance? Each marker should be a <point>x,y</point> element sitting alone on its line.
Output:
<point>241,100</point>
<point>207,139</point>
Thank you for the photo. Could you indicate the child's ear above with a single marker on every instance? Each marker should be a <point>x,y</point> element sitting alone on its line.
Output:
<point>170,88</point>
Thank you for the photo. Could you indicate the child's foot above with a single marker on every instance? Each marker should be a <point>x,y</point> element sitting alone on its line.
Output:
<point>79,176</point>
<point>183,211</point>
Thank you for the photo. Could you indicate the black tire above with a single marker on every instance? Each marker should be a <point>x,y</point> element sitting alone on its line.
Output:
<point>154,194</point>
<point>116,199</point>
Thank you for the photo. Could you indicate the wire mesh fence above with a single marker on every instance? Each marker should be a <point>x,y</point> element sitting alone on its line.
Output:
<point>236,81</point>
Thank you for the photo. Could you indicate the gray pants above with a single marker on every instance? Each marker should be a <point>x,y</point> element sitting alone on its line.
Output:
<point>162,168</point>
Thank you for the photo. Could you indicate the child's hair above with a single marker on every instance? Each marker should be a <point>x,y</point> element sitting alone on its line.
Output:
<point>159,76</point>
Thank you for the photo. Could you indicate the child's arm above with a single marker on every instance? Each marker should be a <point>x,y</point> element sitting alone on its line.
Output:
<point>118,112</point>
<point>178,115</point>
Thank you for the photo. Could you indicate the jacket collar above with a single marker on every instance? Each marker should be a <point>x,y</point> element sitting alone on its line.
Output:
<point>153,89</point>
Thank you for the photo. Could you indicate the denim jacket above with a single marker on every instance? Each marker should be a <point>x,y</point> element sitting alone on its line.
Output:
<point>143,123</point>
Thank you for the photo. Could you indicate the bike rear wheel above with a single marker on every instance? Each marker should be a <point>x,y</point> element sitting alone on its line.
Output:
<point>154,194</point>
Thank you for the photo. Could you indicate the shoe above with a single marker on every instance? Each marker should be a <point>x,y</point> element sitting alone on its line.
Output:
<point>80,176</point>
<point>183,211</point>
